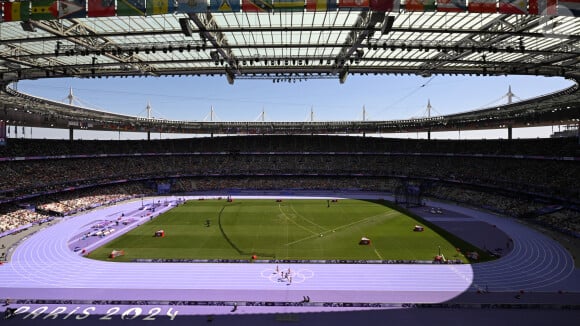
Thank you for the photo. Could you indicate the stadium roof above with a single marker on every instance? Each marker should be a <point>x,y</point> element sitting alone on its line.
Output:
<point>283,44</point>
<point>286,43</point>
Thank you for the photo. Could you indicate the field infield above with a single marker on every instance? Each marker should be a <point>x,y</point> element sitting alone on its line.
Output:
<point>289,229</point>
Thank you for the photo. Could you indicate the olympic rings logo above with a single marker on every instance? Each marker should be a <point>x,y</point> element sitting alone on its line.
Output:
<point>286,276</point>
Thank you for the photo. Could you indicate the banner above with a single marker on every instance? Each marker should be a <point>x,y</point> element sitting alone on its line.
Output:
<point>44,10</point>
<point>257,5</point>
<point>160,7</point>
<point>321,5</point>
<point>225,6</point>
<point>482,6</point>
<point>353,5</point>
<point>543,7</point>
<point>452,5</point>
<point>569,8</point>
<point>101,8</point>
<point>72,9</point>
<point>191,6</point>
<point>289,5</point>
<point>131,7</point>
<point>420,5</point>
<point>16,11</point>
<point>385,5</point>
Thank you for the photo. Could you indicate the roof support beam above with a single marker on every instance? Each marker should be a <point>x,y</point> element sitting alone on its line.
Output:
<point>92,42</point>
<point>355,38</point>
<point>218,40</point>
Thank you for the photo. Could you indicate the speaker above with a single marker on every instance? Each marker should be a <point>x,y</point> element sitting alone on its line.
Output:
<point>185,27</point>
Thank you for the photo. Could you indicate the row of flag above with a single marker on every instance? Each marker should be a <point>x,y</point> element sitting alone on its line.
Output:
<point>56,9</point>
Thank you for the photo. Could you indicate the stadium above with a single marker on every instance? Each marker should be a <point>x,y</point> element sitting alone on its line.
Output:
<point>310,222</point>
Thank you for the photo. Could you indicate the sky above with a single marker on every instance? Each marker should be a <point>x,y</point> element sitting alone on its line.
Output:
<point>383,97</point>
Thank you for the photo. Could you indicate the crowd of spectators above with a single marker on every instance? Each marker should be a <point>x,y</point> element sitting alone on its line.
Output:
<point>554,177</point>
<point>563,219</point>
<point>42,208</point>
<point>553,147</point>
<point>493,167</point>
<point>512,206</point>
<point>185,185</point>
<point>13,217</point>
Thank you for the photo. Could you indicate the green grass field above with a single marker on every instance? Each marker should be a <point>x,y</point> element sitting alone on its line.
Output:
<point>291,229</point>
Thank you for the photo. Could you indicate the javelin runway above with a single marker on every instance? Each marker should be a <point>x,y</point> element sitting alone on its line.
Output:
<point>44,267</point>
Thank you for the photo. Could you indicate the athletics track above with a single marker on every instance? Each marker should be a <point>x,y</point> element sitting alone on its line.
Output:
<point>43,267</point>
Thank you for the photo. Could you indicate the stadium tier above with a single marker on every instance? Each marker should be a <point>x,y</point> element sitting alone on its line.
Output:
<point>518,172</point>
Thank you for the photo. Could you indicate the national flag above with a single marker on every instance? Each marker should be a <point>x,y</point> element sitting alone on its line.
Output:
<point>289,5</point>
<point>44,10</point>
<point>160,7</point>
<point>384,5</point>
<point>225,5</point>
<point>101,8</point>
<point>72,9</point>
<point>569,8</point>
<point>321,5</point>
<point>513,7</point>
<point>420,5</point>
<point>191,6</point>
<point>257,5</point>
<point>451,5</point>
<point>482,6</point>
<point>131,7</point>
<point>543,7</point>
<point>16,11</point>
<point>353,4</point>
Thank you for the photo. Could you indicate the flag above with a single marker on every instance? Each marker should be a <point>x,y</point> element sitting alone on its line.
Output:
<point>101,8</point>
<point>160,7</point>
<point>569,8</point>
<point>451,5</point>
<point>289,5</point>
<point>353,4</point>
<point>257,5</point>
<point>131,7</point>
<point>72,9</point>
<point>225,6</point>
<point>321,5</point>
<point>384,5</point>
<point>420,5</point>
<point>482,6</point>
<point>16,11</point>
<point>191,6</point>
<point>513,7</point>
<point>543,7</point>
<point>44,10</point>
